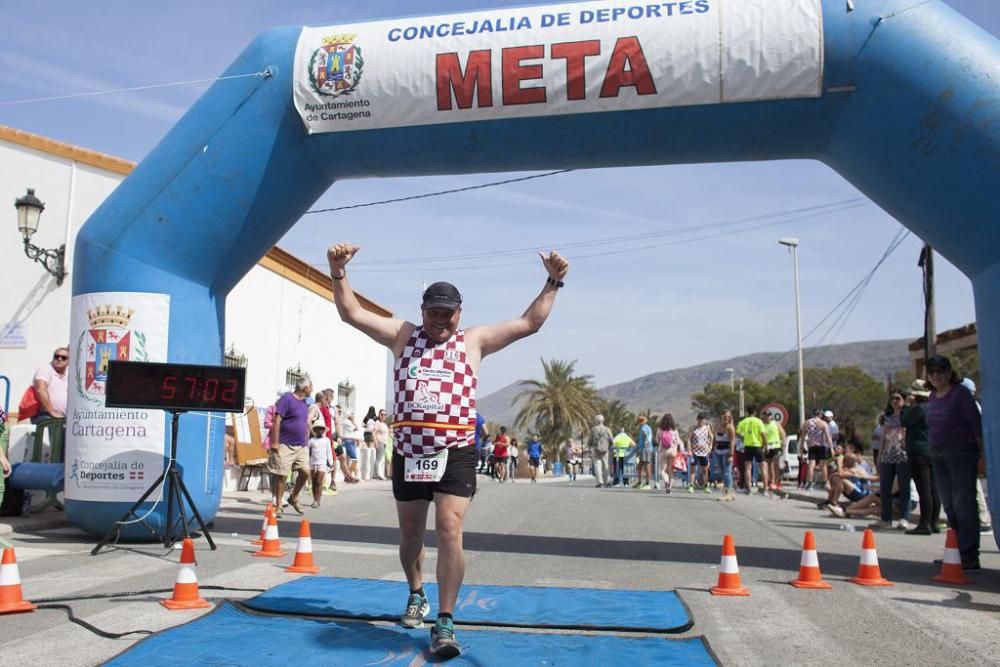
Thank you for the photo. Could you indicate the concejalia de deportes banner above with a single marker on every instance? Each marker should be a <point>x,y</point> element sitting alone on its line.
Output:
<point>556,59</point>
<point>113,454</point>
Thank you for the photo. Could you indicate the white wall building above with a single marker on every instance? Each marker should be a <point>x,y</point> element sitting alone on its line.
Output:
<point>35,312</point>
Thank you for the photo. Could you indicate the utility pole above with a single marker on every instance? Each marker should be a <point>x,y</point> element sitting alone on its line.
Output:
<point>926,262</point>
<point>742,400</point>
<point>793,246</point>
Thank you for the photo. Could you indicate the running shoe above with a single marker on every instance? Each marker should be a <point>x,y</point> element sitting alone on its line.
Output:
<point>707,489</point>
<point>443,642</point>
<point>417,608</point>
<point>690,489</point>
<point>880,525</point>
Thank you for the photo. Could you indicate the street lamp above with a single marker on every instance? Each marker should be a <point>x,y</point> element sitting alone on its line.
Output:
<point>793,246</point>
<point>29,211</point>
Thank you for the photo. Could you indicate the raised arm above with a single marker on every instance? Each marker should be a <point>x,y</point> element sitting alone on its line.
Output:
<point>493,338</point>
<point>388,331</point>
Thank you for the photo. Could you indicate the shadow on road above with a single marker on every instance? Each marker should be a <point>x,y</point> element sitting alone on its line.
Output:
<point>836,565</point>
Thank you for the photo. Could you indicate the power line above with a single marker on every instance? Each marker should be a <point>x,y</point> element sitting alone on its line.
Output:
<point>855,292</point>
<point>440,192</point>
<point>900,236</point>
<point>265,73</point>
<point>630,249</point>
<point>676,231</point>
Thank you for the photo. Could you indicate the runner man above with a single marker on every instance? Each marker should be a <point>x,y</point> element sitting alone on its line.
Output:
<point>752,430</point>
<point>434,458</point>
<point>815,438</point>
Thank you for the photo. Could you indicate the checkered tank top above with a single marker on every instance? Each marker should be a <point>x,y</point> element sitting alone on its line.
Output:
<point>814,433</point>
<point>435,396</point>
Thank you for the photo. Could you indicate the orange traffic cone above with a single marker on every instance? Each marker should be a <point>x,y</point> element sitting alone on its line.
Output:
<point>186,595</point>
<point>729,571</point>
<point>11,599</point>
<point>951,564</point>
<point>809,575</point>
<point>272,543</point>
<point>263,526</point>
<point>303,562</point>
<point>869,573</point>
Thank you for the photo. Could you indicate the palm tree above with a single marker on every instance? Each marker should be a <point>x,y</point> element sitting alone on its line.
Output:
<point>559,406</point>
<point>617,415</point>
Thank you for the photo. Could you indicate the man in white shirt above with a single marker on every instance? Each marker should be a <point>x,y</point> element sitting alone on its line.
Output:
<point>50,385</point>
<point>831,425</point>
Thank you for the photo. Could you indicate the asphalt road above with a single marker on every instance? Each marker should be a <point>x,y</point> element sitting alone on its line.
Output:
<point>550,534</point>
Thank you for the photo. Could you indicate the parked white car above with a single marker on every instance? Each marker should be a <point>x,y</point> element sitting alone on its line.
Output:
<point>790,458</point>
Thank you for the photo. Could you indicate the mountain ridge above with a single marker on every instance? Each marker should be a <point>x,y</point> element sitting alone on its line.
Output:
<point>671,390</point>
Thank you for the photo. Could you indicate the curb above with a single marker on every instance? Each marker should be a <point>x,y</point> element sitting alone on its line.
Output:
<point>32,522</point>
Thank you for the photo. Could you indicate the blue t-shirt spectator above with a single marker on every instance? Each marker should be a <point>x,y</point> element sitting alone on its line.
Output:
<point>645,437</point>
<point>534,449</point>
<point>480,423</point>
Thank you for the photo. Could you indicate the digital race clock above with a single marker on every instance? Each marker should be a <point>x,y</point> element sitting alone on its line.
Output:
<point>134,384</point>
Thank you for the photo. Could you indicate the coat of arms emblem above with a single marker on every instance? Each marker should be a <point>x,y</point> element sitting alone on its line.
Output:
<point>335,68</point>
<point>107,339</point>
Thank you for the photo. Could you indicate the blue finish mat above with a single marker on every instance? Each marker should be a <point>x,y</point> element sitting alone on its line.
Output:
<point>232,636</point>
<point>508,606</point>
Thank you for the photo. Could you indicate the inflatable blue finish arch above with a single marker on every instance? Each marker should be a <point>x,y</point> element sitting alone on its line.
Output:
<point>901,97</point>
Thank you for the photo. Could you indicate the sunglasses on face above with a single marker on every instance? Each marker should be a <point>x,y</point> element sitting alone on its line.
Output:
<point>60,357</point>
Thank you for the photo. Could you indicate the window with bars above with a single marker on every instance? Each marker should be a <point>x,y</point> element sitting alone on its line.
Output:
<point>346,396</point>
<point>293,375</point>
<point>233,358</point>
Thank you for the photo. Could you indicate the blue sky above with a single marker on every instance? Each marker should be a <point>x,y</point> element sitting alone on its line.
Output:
<point>649,306</point>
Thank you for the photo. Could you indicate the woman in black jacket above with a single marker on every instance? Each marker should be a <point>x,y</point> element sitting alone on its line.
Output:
<point>914,420</point>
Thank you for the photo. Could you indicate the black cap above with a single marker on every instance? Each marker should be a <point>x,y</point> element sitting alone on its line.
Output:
<point>442,295</point>
<point>939,362</point>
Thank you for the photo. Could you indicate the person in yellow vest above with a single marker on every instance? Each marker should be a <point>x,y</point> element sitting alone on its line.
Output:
<point>751,428</point>
<point>774,435</point>
<point>622,443</point>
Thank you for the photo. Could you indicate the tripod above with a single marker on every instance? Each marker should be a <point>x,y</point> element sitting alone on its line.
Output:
<point>175,489</point>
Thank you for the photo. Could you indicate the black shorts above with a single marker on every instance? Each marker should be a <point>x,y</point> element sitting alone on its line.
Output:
<point>459,478</point>
<point>500,459</point>
<point>368,437</point>
<point>339,450</point>
<point>534,461</point>
<point>753,453</point>
<point>771,453</point>
<point>821,453</point>
<point>699,460</point>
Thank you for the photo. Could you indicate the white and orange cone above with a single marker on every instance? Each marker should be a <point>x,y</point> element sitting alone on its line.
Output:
<point>11,599</point>
<point>729,571</point>
<point>263,526</point>
<point>186,595</point>
<point>303,563</point>
<point>809,574</point>
<point>869,573</point>
<point>272,543</point>
<point>951,563</point>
